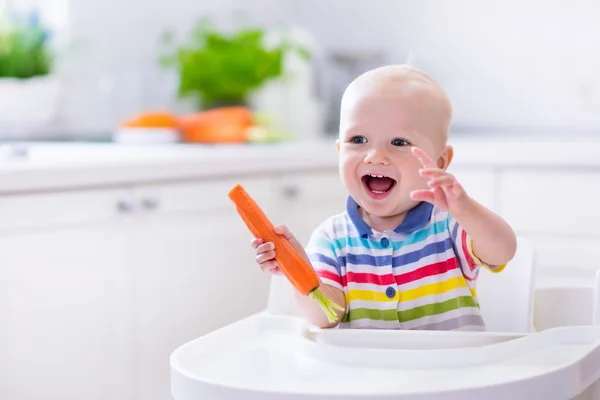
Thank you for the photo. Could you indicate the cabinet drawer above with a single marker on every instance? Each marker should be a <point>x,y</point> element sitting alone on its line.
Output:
<point>311,185</point>
<point>551,201</point>
<point>60,208</point>
<point>202,194</point>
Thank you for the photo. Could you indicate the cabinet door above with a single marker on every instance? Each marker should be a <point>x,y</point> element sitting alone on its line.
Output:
<point>304,200</point>
<point>480,183</point>
<point>64,314</point>
<point>195,272</point>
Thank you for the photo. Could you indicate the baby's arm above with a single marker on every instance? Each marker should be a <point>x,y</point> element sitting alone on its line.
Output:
<point>265,256</point>
<point>313,312</point>
<point>493,240</point>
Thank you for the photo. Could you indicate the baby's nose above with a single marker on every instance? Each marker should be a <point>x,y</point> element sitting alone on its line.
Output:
<point>377,156</point>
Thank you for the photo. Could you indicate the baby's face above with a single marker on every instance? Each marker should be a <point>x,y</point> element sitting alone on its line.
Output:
<point>377,132</point>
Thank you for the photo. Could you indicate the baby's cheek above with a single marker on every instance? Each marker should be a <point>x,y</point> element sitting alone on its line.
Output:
<point>409,165</point>
<point>347,176</point>
<point>411,178</point>
<point>417,182</point>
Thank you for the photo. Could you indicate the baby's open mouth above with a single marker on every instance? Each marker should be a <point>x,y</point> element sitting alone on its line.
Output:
<point>378,185</point>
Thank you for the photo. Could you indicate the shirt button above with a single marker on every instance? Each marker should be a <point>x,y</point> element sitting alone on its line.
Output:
<point>385,242</point>
<point>390,292</point>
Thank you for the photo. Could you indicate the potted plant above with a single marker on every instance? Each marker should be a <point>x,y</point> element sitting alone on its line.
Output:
<point>29,90</point>
<point>219,69</point>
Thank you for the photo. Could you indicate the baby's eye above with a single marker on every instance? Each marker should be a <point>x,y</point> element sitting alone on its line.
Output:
<point>399,142</point>
<point>358,139</point>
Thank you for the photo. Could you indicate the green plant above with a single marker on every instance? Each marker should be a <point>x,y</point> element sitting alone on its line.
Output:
<point>24,48</point>
<point>217,68</point>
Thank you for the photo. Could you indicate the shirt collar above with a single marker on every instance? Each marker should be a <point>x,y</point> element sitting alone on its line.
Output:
<point>416,218</point>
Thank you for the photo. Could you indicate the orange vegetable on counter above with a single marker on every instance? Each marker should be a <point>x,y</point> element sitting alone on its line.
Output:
<point>153,119</point>
<point>219,125</point>
<point>295,268</point>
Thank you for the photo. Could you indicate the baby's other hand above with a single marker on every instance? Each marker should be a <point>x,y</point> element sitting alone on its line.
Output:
<point>265,251</point>
<point>444,190</point>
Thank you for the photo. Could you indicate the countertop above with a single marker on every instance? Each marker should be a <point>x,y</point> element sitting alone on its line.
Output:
<point>39,166</point>
<point>53,166</point>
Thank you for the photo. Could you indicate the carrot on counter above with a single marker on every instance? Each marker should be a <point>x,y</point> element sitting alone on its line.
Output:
<point>295,268</point>
<point>218,125</point>
<point>153,119</point>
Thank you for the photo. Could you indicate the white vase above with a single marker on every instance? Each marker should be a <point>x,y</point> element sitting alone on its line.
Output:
<point>29,104</point>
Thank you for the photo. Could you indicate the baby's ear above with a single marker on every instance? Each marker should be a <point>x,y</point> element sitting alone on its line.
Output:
<point>446,157</point>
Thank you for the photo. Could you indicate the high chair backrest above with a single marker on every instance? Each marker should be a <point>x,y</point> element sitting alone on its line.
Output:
<point>281,297</point>
<point>596,306</point>
<point>506,298</point>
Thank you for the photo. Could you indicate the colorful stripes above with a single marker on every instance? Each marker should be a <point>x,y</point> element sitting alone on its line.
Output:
<point>358,242</point>
<point>425,310</point>
<point>419,280</point>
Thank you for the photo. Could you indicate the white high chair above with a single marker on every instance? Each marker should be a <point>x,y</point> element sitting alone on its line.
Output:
<point>274,355</point>
<point>506,298</point>
<point>596,307</point>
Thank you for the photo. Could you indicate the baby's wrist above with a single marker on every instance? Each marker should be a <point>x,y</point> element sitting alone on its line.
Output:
<point>467,207</point>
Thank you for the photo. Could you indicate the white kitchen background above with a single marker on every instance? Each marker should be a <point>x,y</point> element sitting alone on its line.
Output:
<point>510,63</point>
<point>111,256</point>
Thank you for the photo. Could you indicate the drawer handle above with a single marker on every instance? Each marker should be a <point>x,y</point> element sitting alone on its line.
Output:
<point>125,206</point>
<point>291,192</point>
<point>150,203</point>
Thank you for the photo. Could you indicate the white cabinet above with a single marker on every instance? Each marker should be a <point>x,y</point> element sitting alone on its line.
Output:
<point>98,287</point>
<point>304,200</point>
<point>556,209</point>
<point>194,270</point>
<point>479,183</point>
<point>64,303</point>
<point>542,201</point>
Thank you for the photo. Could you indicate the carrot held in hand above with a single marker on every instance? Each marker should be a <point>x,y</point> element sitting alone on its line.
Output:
<point>295,268</point>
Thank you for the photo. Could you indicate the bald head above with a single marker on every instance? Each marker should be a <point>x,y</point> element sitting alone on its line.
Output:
<point>406,90</point>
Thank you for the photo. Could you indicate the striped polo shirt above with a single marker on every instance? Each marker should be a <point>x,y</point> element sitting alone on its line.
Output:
<point>421,275</point>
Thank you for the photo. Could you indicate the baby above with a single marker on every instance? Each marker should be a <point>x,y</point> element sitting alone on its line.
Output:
<point>406,252</point>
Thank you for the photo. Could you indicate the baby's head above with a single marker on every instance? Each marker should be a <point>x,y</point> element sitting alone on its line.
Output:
<point>384,113</point>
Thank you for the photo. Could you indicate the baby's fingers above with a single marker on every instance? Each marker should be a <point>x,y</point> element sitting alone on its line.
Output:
<point>425,160</point>
<point>444,180</point>
<point>433,172</point>
<point>284,231</point>
<point>256,242</point>
<point>264,257</point>
<point>271,267</point>
<point>265,247</point>
<point>423,195</point>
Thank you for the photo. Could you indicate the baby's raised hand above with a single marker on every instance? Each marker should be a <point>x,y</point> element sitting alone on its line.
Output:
<point>445,192</point>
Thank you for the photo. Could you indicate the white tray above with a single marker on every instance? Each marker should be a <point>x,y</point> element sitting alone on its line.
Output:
<point>278,357</point>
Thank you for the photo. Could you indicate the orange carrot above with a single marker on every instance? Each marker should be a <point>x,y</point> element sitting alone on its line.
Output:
<point>218,125</point>
<point>295,268</point>
<point>153,119</point>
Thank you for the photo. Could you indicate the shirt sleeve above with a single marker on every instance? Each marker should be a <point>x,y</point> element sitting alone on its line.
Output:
<point>463,247</point>
<point>321,251</point>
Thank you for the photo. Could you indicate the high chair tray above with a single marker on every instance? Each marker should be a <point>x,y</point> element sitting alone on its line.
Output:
<point>279,357</point>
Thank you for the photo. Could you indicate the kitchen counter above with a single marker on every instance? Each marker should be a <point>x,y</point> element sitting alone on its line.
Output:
<point>52,166</point>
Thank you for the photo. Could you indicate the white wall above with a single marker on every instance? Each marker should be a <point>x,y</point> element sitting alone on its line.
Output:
<point>112,64</point>
<point>512,62</point>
